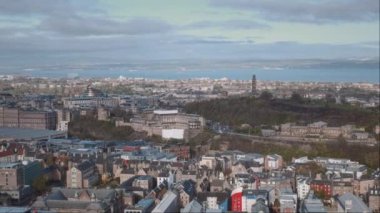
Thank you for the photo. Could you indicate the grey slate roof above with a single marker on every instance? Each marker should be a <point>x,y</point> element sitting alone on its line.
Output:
<point>357,204</point>
<point>84,165</point>
<point>193,206</point>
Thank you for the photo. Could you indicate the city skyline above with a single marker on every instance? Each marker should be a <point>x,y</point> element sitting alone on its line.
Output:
<point>42,32</point>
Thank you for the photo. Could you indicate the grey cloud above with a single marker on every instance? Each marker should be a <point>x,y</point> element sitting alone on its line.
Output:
<point>46,7</point>
<point>30,7</point>
<point>212,40</point>
<point>40,49</point>
<point>94,26</point>
<point>322,11</point>
<point>68,17</point>
<point>14,31</point>
<point>230,24</point>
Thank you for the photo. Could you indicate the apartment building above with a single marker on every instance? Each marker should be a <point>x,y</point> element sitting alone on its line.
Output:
<point>82,175</point>
<point>11,175</point>
<point>303,187</point>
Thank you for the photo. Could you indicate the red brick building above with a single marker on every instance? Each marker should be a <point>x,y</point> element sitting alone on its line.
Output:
<point>322,186</point>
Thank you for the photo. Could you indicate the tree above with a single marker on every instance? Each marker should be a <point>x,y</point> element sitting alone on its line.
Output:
<point>266,96</point>
<point>297,98</point>
<point>341,140</point>
<point>227,172</point>
<point>121,113</point>
<point>50,160</point>
<point>329,98</point>
<point>276,205</point>
<point>217,88</point>
<point>215,145</point>
<point>40,184</point>
<point>321,195</point>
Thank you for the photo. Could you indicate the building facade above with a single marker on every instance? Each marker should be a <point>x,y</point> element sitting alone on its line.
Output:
<point>16,118</point>
<point>82,175</point>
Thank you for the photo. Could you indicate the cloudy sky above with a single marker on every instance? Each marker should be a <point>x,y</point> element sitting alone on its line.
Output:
<point>43,32</point>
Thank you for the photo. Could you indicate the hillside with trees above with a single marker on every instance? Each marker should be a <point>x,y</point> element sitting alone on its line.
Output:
<point>92,129</point>
<point>266,110</point>
<point>339,149</point>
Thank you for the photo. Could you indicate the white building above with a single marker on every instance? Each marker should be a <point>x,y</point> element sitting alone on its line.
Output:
<point>273,162</point>
<point>165,176</point>
<point>208,161</point>
<point>302,160</point>
<point>303,187</point>
<point>63,126</point>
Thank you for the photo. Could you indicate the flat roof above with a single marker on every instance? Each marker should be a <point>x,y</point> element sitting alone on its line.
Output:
<point>6,165</point>
<point>145,203</point>
<point>165,112</point>
<point>29,134</point>
<point>14,209</point>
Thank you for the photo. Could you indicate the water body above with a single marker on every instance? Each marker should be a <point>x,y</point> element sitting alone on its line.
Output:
<point>302,74</point>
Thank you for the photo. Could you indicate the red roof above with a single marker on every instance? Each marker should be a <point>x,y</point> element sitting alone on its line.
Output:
<point>9,149</point>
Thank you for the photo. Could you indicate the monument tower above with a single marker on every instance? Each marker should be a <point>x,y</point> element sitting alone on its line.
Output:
<point>253,89</point>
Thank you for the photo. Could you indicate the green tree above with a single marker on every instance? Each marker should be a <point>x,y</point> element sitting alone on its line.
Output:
<point>50,160</point>
<point>297,98</point>
<point>40,184</point>
<point>321,195</point>
<point>121,113</point>
<point>267,96</point>
<point>329,98</point>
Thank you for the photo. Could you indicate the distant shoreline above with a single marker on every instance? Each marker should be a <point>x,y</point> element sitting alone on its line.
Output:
<point>333,75</point>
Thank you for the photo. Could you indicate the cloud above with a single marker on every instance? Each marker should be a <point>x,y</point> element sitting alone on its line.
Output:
<point>67,32</point>
<point>211,40</point>
<point>72,18</point>
<point>48,7</point>
<point>37,49</point>
<point>230,25</point>
<point>39,7</point>
<point>321,11</point>
<point>95,26</point>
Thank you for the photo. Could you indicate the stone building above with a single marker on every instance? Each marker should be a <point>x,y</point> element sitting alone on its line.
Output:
<point>82,175</point>
<point>16,118</point>
<point>374,199</point>
<point>169,124</point>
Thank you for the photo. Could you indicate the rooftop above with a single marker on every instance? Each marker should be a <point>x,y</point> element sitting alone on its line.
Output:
<point>169,197</point>
<point>29,134</point>
<point>352,203</point>
<point>14,209</point>
<point>6,165</point>
<point>313,204</point>
<point>145,203</point>
<point>193,206</point>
